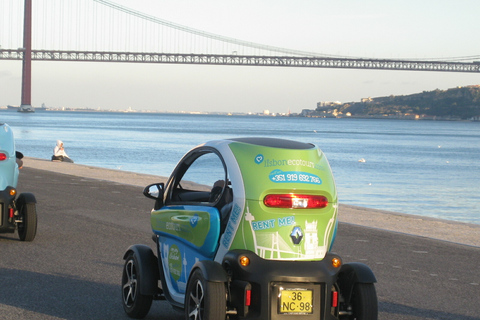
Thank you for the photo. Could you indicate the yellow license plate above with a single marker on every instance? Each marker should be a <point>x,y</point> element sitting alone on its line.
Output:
<point>296,301</point>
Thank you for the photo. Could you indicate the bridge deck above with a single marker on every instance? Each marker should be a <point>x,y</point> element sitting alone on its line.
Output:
<point>241,60</point>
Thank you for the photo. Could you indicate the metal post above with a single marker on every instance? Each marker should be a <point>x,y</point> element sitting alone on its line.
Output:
<point>26,105</point>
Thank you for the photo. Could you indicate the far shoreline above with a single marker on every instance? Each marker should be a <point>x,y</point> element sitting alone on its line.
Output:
<point>248,114</point>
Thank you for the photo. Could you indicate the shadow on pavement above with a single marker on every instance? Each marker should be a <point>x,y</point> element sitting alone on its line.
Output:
<point>66,297</point>
<point>391,308</point>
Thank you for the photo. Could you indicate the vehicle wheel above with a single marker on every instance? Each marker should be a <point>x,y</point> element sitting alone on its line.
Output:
<point>205,300</point>
<point>135,304</point>
<point>27,229</point>
<point>364,300</point>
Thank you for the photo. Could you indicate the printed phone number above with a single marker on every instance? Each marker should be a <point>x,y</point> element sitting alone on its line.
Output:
<point>287,177</point>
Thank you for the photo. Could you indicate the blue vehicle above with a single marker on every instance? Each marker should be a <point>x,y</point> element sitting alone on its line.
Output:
<point>244,230</point>
<point>17,213</point>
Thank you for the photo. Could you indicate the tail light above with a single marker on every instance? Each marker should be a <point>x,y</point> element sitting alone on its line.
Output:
<point>3,156</point>
<point>295,201</point>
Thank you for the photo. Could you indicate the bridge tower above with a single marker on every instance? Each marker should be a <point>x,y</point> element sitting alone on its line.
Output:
<point>26,105</point>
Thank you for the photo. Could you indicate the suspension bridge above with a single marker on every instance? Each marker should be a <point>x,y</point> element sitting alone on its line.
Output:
<point>103,31</point>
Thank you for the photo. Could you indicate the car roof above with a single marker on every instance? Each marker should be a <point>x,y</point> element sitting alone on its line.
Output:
<point>275,143</point>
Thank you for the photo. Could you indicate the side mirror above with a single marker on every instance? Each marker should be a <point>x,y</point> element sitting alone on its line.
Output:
<point>154,191</point>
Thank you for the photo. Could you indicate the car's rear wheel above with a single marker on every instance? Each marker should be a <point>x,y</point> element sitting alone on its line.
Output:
<point>204,299</point>
<point>365,304</point>
<point>27,229</point>
<point>135,304</point>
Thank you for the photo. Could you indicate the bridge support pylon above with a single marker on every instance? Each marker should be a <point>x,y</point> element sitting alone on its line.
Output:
<point>26,105</point>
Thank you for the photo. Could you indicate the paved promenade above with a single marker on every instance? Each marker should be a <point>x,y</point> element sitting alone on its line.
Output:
<point>462,233</point>
<point>88,217</point>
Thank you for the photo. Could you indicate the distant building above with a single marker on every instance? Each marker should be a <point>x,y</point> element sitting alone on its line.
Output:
<point>328,104</point>
<point>306,112</point>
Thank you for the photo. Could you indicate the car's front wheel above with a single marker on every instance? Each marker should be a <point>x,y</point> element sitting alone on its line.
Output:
<point>135,304</point>
<point>204,299</point>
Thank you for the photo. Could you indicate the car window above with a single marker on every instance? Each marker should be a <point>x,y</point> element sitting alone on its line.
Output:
<point>200,178</point>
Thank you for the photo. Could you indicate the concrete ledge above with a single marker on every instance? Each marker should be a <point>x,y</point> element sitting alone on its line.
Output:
<point>80,170</point>
<point>446,230</point>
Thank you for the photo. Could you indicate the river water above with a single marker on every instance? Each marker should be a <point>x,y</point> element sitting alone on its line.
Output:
<point>428,168</point>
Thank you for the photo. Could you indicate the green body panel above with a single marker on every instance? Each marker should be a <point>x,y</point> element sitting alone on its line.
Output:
<point>278,233</point>
<point>192,226</point>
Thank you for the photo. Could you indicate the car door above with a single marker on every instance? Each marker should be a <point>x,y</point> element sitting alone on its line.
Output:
<point>188,225</point>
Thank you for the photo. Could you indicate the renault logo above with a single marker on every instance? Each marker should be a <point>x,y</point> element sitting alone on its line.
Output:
<point>296,235</point>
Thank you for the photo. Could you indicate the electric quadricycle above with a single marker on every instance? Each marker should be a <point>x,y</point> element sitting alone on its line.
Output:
<point>16,213</point>
<point>243,230</point>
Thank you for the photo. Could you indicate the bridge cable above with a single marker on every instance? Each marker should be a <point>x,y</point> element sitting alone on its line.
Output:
<point>208,34</point>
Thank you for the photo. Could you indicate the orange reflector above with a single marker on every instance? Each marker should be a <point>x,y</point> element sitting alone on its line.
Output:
<point>13,192</point>
<point>295,201</point>
<point>336,262</point>
<point>244,261</point>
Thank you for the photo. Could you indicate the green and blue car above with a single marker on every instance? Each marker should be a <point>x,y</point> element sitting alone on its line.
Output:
<point>244,229</point>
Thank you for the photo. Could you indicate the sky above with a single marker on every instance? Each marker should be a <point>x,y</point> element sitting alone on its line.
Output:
<point>407,29</point>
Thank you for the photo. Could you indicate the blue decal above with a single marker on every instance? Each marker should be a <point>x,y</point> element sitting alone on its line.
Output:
<point>194,220</point>
<point>279,176</point>
<point>228,236</point>
<point>263,225</point>
<point>235,215</point>
<point>286,221</point>
<point>259,158</point>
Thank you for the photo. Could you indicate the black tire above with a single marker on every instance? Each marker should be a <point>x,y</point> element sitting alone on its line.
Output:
<point>364,300</point>
<point>205,300</point>
<point>135,304</point>
<point>27,229</point>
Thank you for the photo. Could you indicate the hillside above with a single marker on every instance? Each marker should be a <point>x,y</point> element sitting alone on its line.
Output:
<point>461,103</point>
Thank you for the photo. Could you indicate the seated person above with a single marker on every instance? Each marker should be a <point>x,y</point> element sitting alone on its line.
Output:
<point>59,153</point>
